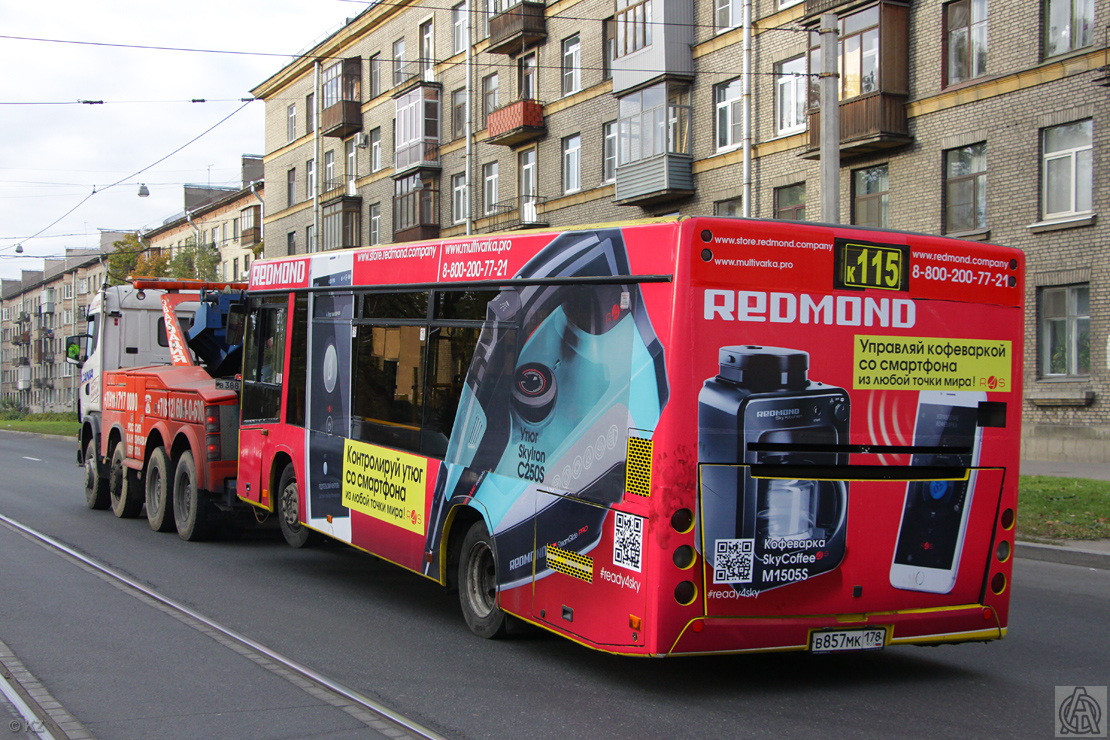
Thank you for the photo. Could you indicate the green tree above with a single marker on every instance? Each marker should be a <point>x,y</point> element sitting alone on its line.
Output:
<point>122,262</point>
<point>191,261</point>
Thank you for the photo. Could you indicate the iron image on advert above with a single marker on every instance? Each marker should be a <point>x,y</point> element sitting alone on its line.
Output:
<point>761,533</point>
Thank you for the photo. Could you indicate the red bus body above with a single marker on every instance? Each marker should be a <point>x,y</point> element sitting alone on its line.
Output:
<point>706,435</point>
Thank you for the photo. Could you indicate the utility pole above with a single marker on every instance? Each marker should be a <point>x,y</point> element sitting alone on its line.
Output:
<point>830,121</point>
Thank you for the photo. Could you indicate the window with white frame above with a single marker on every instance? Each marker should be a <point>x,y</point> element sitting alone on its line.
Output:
<point>965,40</point>
<point>526,66</point>
<point>375,75</point>
<point>458,113</point>
<point>1067,169</point>
<point>489,96</point>
<point>291,122</point>
<point>459,202</point>
<point>375,215</point>
<point>427,49</point>
<point>1068,25</point>
<point>291,187</point>
<point>572,65</point>
<point>460,35</point>
<point>572,163</point>
<point>310,178</point>
<point>729,119</point>
<point>350,154</point>
<point>67,291</point>
<point>790,96</point>
<point>490,187</point>
<point>726,14</point>
<point>609,151</point>
<point>329,170</point>
<point>965,188</point>
<point>375,149</point>
<point>398,62</point>
<point>1065,330</point>
<point>309,241</point>
<point>654,121</point>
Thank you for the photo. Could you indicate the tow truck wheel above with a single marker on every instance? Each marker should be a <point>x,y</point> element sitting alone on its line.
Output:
<point>190,512</point>
<point>123,487</point>
<point>478,584</point>
<point>295,533</point>
<point>96,488</point>
<point>159,491</point>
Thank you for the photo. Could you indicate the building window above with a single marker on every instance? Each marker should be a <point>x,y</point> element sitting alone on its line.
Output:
<point>489,187</point>
<point>730,207</point>
<point>527,67</point>
<point>427,49</point>
<point>458,113</point>
<point>398,62</point>
<point>291,243</point>
<point>291,122</point>
<point>416,128</point>
<point>310,179</point>
<point>529,187</point>
<point>375,149</point>
<point>966,40</point>
<point>459,205</point>
<point>309,240</point>
<point>729,119</point>
<point>291,187</point>
<point>350,154</point>
<point>654,121</point>
<point>341,226</point>
<point>965,188</point>
<point>310,112</point>
<point>375,215</point>
<point>871,197</point>
<point>1067,169</point>
<point>609,151</point>
<point>1065,325</point>
<point>1068,25</point>
<point>489,96</point>
<point>790,96</point>
<point>608,46</point>
<point>633,26</point>
<point>726,14</point>
<point>330,183</point>
<point>790,202</point>
<point>341,82</point>
<point>572,164</point>
<point>858,49</point>
<point>375,75</point>
<point>572,65</point>
<point>460,34</point>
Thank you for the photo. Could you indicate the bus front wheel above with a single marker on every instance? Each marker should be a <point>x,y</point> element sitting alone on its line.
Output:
<point>478,584</point>
<point>295,533</point>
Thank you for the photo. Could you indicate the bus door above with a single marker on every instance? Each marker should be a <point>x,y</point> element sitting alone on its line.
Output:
<point>273,371</point>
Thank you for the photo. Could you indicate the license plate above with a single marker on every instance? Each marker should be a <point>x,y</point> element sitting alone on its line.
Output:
<point>831,641</point>
<point>227,384</point>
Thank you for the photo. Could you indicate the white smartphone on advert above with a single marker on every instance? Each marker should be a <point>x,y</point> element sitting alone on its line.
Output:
<point>934,516</point>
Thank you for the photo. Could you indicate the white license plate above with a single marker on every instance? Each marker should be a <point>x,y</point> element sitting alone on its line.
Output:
<point>831,641</point>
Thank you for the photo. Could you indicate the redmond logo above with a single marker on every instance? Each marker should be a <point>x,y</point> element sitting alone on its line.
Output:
<point>803,308</point>
<point>778,412</point>
<point>277,273</point>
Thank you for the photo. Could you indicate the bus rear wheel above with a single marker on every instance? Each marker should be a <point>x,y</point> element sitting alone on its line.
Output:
<point>159,491</point>
<point>96,488</point>
<point>478,584</point>
<point>190,511</point>
<point>295,533</point>
<point>123,487</point>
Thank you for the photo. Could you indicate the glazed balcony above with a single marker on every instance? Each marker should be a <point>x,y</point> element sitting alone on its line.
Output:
<point>416,215</point>
<point>514,30</point>
<point>516,123</point>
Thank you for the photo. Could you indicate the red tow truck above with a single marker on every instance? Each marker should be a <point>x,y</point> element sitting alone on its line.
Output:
<point>163,435</point>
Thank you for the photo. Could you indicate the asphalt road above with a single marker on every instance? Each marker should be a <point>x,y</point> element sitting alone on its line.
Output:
<point>123,670</point>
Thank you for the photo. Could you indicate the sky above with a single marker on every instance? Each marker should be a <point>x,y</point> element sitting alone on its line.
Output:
<point>58,155</point>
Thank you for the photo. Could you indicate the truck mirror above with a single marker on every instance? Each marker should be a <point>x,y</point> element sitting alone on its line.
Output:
<point>75,349</point>
<point>236,321</point>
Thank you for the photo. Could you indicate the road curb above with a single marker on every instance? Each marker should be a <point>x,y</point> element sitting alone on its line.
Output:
<point>1061,554</point>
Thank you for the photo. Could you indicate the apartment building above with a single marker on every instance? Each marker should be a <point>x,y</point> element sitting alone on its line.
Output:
<point>37,313</point>
<point>227,221</point>
<point>982,119</point>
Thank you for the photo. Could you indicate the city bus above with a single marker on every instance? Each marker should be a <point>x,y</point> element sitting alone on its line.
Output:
<point>665,437</point>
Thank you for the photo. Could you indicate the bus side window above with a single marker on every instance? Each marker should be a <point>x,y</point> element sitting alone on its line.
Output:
<point>296,385</point>
<point>263,362</point>
<point>450,351</point>
<point>387,401</point>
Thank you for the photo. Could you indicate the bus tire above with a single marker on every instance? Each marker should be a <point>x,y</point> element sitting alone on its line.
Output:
<point>190,511</point>
<point>123,487</point>
<point>478,584</point>
<point>159,491</point>
<point>295,533</point>
<point>96,488</point>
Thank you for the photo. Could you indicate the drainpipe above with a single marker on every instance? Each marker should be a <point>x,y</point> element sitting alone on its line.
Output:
<point>318,104</point>
<point>469,111</point>
<point>746,105</point>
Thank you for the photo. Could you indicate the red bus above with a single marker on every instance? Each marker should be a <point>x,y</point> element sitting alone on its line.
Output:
<point>701,435</point>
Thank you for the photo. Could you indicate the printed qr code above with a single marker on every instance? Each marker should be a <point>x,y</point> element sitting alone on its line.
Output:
<point>628,540</point>
<point>734,560</point>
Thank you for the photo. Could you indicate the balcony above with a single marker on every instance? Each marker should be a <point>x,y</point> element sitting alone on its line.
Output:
<point>21,361</point>
<point>524,212</point>
<point>20,338</point>
<point>416,215</point>
<point>341,119</point>
<point>48,358</point>
<point>416,155</point>
<point>867,124</point>
<point>658,179</point>
<point>342,96</point>
<point>516,123</point>
<point>407,73</point>
<point>514,30</point>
